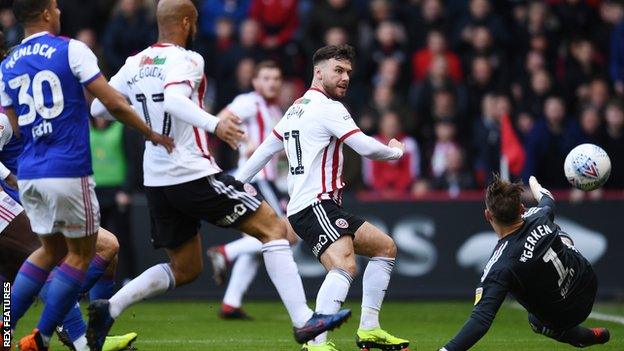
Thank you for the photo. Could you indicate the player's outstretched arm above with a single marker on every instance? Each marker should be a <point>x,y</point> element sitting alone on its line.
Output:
<point>117,105</point>
<point>489,299</point>
<point>541,194</point>
<point>179,105</point>
<point>263,154</point>
<point>372,149</point>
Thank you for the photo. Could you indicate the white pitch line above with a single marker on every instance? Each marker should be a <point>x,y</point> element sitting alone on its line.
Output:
<point>604,317</point>
<point>607,317</point>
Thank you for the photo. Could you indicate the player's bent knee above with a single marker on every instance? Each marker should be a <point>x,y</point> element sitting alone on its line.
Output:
<point>107,245</point>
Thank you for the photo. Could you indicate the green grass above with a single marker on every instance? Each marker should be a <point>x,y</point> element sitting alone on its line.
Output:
<point>428,325</point>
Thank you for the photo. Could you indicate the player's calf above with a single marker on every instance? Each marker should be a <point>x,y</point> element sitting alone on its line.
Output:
<point>186,261</point>
<point>578,336</point>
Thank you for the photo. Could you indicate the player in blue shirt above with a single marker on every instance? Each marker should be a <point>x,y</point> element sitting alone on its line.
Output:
<point>41,87</point>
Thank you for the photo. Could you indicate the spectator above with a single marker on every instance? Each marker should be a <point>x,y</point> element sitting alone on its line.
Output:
<point>328,14</point>
<point>480,14</point>
<point>598,94</point>
<point>613,143</point>
<point>336,36</point>
<point>445,139</point>
<point>110,172</point>
<point>278,21</point>
<point>389,73</point>
<point>248,46</point>
<point>547,146</point>
<point>79,14</point>
<point>380,11</point>
<point>616,64</point>
<point>384,100</point>
<point>580,67</point>
<point>590,123</point>
<point>212,10</point>
<point>436,45</point>
<point>482,45</point>
<point>239,84</point>
<point>421,96</point>
<point>575,16</point>
<point>88,36</point>
<point>480,82</point>
<point>13,33</point>
<point>395,176</point>
<point>540,88</point>
<point>221,47</point>
<point>388,46</point>
<point>487,138</point>
<point>422,17</point>
<point>129,31</point>
<point>455,177</point>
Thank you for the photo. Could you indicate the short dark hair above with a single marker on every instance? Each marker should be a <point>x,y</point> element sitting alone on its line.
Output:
<point>502,198</point>
<point>270,64</point>
<point>26,11</point>
<point>338,52</point>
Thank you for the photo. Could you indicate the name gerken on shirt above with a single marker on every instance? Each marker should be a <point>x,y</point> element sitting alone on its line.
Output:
<point>529,245</point>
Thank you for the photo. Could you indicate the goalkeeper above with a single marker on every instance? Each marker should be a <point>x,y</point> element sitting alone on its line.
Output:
<point>537,263</point>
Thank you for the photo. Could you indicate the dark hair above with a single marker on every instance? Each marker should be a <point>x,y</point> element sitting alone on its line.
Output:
<point>616,103</point>
<point>502,198</point>
<point>270,64</point>
<point>338,52</point>
<point>28,10</point>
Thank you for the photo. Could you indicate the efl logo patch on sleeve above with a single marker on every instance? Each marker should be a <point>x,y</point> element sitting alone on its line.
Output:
<point>478,294</point>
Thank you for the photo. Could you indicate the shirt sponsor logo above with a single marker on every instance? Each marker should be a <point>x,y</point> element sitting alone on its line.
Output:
<point>342,223</point>
<point>239,210</point>
<point>146,60</point>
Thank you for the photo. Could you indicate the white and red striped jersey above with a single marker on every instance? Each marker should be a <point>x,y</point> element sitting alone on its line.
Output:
<point>143,79</point>
<point>259,117</point>
<point>313,131</point>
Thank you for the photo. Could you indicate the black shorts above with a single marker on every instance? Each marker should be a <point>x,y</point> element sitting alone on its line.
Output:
<point>176,211</point>
<point>321,224</point>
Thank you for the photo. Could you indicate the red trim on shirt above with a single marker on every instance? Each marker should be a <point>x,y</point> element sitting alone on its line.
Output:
<point>260,122</point>
<point>201,91</point>
<point>277,135</point>
<point>199,143</point>
<point>179,82</point>
<point>335,161</point>
<point>161,45</point>
<point>342,138</point>
<point>6,212</point>
<point>323,171</point>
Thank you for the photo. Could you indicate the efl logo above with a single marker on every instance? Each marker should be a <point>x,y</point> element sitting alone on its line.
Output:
<point>6,315</point>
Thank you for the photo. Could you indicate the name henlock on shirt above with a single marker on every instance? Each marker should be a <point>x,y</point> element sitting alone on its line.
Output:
<point>43,50</point>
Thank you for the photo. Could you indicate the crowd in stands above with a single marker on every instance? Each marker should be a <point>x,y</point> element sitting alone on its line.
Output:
<point>438,75</point>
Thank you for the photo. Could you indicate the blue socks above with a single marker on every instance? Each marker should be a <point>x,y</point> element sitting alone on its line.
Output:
<point>94,272</point>
<point>62,295</point>
<point>103,288</point>
<point>28,282</point>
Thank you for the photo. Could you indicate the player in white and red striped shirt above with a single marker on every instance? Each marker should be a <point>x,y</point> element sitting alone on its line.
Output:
<point>313,132</point>
<point>258,113</point>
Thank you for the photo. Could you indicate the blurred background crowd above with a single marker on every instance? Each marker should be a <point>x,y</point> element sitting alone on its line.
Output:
<point>464,83</point>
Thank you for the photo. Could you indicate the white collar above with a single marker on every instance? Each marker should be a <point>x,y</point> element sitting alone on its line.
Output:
<point>36,35</point>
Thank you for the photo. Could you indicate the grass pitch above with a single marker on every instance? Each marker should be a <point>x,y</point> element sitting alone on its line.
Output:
<point>191,326</point>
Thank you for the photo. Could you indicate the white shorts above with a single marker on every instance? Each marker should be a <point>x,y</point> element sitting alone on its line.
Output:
<point>9,209</point>
<point>61,205</point>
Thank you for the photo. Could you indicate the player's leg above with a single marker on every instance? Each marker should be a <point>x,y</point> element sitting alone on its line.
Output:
<point>339,261</point>
<point>244,268</point>
<point>244,271</point>
<point>371,242</point>
<point>282,269</point>
<point>577,336</point>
